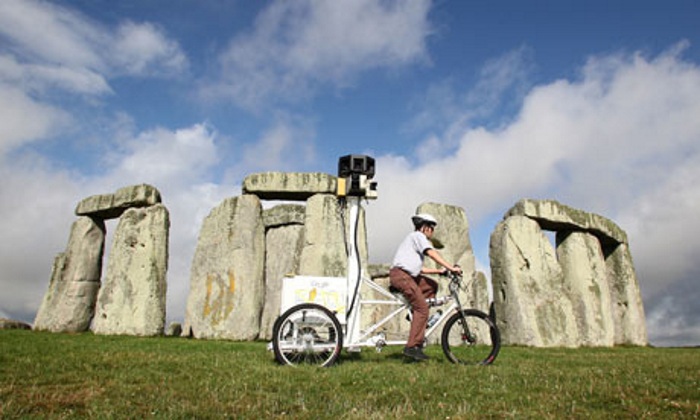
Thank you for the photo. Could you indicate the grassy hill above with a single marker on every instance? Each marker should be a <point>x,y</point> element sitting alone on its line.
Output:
<point>83,375</point>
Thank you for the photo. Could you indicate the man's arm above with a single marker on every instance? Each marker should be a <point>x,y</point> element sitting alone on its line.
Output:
<point>432,253</point>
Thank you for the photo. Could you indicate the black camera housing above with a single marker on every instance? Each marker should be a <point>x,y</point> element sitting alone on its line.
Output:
<point>357,170</point>
<point>356,164</point>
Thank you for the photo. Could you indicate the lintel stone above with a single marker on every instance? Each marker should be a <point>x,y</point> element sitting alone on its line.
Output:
<point>284,214</point>
<point>552,215</point>
<point>295,186</point>
<point>111,206</point>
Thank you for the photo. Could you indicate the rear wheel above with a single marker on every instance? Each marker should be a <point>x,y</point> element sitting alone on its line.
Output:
<point>307,334</point>
<point>471,338</point>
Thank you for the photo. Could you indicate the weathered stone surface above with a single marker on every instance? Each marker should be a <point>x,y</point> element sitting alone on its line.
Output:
<point>378,270</point>
<point>628,310</point>
<point>530,302</point>
<point>597,277</point>
<point>586,280</point>
<point>111,206</point>
<point>324,252</point>
<point>132,298</point>
<point>226,284</point>
<point>289,185</point>
<point>284,214</point>
<point>69,303</point>
<point>9,324</point>
<point>283,245</point>
<point>552,215</point>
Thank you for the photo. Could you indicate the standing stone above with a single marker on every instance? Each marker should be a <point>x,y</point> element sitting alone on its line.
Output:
<point>628,310</point>
<point>132,299</point>
<point>586,280</point>
<point>283,244</point>
<point>69,304</point>
<point>226,284</point>
<point>324,252</point>
<point>529,299</point>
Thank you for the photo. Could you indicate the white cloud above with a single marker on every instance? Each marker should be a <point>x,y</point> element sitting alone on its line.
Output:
<point>164,157</point>
<point>297,46</point>
<point>36,210</point>
<point>52,47</point>
<point>284,146</point>
<point>143,49</point>
<point>499,90</point>
<point>26,120</point>
<point>44,32</point>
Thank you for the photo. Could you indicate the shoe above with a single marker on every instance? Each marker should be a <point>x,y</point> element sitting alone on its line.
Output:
<point>415,353</point>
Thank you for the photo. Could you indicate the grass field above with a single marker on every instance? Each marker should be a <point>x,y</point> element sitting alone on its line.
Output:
<point>46,375</point>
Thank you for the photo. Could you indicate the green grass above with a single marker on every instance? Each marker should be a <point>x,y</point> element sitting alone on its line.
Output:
<point>46,375</point>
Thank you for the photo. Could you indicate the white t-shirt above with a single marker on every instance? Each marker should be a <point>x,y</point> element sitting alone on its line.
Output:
<point>409,256</point>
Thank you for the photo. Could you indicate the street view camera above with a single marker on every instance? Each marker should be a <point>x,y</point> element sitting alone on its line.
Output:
<point>354,175</point>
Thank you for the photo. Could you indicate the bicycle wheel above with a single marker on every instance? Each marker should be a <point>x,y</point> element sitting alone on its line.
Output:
<point>474,342</point>
<point>307,334</point>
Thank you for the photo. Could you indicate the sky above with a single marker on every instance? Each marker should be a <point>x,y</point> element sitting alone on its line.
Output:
<point>473,103</point>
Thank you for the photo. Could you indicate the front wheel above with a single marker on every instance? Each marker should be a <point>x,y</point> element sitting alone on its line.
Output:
<point>307,334</point>
<point>471,337</point>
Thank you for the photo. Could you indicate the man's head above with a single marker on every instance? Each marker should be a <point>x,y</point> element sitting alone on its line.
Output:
<point>425,223</point>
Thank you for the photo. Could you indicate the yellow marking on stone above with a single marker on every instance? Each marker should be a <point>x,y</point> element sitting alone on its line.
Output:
<point>231,281</point>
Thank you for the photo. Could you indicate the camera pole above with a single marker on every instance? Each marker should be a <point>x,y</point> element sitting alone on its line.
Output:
<point>354,183</point>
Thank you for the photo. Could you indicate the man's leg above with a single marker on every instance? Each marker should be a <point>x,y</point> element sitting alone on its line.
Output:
<point>427,286</point>
<point>408,286</point>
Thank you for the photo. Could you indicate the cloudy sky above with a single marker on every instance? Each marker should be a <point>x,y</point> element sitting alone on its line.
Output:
<point>472,103</point>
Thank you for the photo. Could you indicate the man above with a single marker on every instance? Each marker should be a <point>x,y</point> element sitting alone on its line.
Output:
<point>407,273</point>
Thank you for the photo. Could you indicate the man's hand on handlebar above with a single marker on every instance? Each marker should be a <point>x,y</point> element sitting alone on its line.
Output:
<point>455,269</point>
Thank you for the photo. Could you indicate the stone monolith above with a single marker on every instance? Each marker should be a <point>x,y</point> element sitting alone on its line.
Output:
<point>133,297</point>
<point>226,282</point>
<point>628,309</point>
<point>531,305</point>
<point>69,303</point>
<point>585,278</point>
<point>324,252</point>
<point>284,239</point>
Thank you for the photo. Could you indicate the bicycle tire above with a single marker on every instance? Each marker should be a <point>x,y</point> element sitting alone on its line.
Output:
<point>307,334</point>
<point>479,344</point>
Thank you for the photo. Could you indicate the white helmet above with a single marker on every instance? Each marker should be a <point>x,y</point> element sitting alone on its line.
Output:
<point>423,218</point>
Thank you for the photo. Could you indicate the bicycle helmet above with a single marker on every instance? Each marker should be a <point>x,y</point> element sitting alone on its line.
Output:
<point>423,219</point>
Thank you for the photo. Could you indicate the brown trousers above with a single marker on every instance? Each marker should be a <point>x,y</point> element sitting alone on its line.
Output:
<point>416,290</point>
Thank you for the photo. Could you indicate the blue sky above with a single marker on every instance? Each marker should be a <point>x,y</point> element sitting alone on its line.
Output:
<point>471,103</point>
